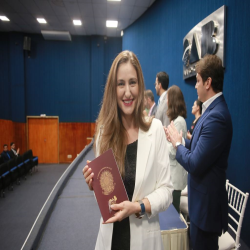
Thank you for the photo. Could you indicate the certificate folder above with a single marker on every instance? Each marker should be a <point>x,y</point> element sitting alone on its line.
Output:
<point>107,183</point>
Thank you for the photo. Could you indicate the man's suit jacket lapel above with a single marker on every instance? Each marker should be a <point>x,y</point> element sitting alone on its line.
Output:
<point>203,116</point>
<point>143,149</point>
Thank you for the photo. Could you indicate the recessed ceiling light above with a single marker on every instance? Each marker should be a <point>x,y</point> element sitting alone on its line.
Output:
<point>41,20</point>
<point>4,18</point>
<point>111,24</point>
<point>77,22</point>
<point>122,33</point>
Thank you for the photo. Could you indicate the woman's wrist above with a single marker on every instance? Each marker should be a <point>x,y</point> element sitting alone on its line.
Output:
<point>137,207</point>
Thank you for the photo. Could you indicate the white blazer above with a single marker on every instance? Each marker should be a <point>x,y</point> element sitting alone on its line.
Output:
<point>152,182</point>
<point>178,173</point>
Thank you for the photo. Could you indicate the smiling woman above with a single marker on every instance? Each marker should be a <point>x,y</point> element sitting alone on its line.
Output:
<point>127,90</point>
<point>141,152</point>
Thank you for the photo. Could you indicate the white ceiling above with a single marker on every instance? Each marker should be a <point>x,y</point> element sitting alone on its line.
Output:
<point>59,15</point>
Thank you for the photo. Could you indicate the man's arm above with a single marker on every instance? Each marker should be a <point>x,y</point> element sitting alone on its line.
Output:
<point>209,147</point>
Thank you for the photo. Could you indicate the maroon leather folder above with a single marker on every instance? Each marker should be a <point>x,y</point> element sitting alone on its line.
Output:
<point>107,183</point>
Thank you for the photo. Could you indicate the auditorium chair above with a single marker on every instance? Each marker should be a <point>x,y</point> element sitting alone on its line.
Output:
<point>1,159</point>
<point>5,177</point>
<point>14,171</point>
<point>1,185</point>
<point>27,160</point>
<point>33,159</point>
<point>21,167</point>
<point>237,201</point>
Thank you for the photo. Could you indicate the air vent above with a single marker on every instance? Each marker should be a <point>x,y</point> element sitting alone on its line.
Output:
<point>56,35</point>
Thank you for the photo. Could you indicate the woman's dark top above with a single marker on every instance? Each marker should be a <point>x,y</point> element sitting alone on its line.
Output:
<point>193,126</point>
<point>121,230</point>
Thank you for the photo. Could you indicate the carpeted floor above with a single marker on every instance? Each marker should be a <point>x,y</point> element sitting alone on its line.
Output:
<point>19,208</point>
<point>74,222</point>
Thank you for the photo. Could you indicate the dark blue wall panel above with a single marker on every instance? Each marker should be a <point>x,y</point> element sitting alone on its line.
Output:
<point>60,78</point>
<point>97,74</point>
<point>4,77</point>
<point>157,40</point>
<point>16,78</point>
<point>103,52</point>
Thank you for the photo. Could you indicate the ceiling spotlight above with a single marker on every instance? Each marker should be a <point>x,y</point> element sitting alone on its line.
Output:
<point>111,24</point>
<point>4,18</point>
<point>77,22</point>
<point>41,20</point>
<point>122,33</point>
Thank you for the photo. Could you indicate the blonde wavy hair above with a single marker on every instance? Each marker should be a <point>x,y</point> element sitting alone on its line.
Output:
<point>109,127</point>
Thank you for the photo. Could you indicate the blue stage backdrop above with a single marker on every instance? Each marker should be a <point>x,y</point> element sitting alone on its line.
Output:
<point>60,78</point>
<point>157,39</point>
<point>4,77</point>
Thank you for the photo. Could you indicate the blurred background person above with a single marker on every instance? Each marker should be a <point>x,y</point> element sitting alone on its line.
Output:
<point>161,86</point>
<point>177,113</point>
<point>150,102</point>
<point>5,154</point>
<point>13,152</point>
<point>196,111</point>
<point>145,105</point>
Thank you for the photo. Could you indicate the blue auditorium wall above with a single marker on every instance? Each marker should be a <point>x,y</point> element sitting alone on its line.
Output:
<point>104,52</point>
<point>17,78</point>
<point>60,78</point>
<point>4,78</point>
<point>157,39</point>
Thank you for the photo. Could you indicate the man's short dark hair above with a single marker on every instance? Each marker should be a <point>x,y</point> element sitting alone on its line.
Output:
<point>148,93</point>
<point>163,78</point>
<point>211,66</point>
<point>199,104</point>
<point>5,145</point>
<point>12,143</point>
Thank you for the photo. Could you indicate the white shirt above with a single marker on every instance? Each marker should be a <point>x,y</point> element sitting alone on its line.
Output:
<point>14,151</point>
<point>206,104</point>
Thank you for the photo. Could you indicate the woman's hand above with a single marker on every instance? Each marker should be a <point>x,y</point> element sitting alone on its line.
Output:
<point>165,130</point>
<point>189,135</point>
<point>88,175</point>
<point>173,135</point>
<point>124,209</point>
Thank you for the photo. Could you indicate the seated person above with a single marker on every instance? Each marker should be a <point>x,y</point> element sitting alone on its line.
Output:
<point>13,152</point>
<point>5,154</point>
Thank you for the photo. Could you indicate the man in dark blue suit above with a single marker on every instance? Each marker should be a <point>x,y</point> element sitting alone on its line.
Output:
<point>205,157</point>
<point>5,154</point>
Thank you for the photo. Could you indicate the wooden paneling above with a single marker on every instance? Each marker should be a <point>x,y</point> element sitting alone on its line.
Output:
<point>20,138</point>
<point>51,134</point>
<point>7,134</point>
<point>73,139</point>
<point>43,138</point>
<point>13,132</point>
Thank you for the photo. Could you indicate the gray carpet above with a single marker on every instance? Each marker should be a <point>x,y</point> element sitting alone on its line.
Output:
<point>19,208</point>
<point>74,223</point>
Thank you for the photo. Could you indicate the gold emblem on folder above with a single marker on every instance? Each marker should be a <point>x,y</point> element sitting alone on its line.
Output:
<point>107,182</point>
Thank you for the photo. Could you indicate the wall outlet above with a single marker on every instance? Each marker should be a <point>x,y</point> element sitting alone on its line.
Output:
<point>69,156</point>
